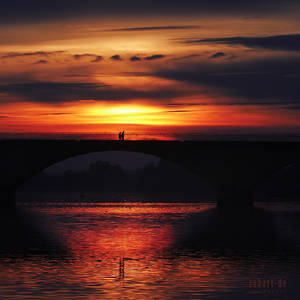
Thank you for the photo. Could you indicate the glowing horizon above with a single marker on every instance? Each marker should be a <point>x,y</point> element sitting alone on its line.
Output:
<point>183,69</point>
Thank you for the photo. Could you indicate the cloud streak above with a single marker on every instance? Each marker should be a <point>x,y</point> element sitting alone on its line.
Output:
<point>154,57</point>
<point>155,28</point>
<point>186,57</point>
<point>97,59</point>
<point>85,55</point>
<point>135,58</point>
<point>26,54</point>
<point>218,55</point>
<point>289,42</point>
<point>116,57</point>
<point>256,81</point>
<point>94,57</point>
<point>56,92</point>
<point>32,11</point>
<point>41,62</point>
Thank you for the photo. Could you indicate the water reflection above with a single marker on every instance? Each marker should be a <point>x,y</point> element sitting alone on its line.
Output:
<point>155,251</point>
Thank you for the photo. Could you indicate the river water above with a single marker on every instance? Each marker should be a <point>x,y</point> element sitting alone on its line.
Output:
<point>150,251</point>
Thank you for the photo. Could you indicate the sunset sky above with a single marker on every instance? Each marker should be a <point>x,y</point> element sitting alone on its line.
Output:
<point>99,66</point>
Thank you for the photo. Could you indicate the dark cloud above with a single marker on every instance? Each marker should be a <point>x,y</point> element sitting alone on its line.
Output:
<point>3,117</point>
<point>50,91</point>
<point>153,57</point>
<point>295,107</point>
<point>237,103</point>
<point>41,62</point>
<point>80,56</point>
<point>116,57</point>
<point>154,28</point>
<point>16,76</point>
<point>31,11</point>
<point>256,81</point>
<point>135,58</point>
<point>232,56</point>
<point>289,42</point>
<point>97,59</point>
<point>55,92</point>
<point>182,104</point>
<point>217,55</point>
<point>25,54</point>
<point>186,57</point>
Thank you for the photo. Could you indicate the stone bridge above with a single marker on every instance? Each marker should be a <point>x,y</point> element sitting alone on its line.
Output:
<point>233,168</point>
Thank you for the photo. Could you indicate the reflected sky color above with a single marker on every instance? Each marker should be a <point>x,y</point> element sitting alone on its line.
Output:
<point>139,251</point>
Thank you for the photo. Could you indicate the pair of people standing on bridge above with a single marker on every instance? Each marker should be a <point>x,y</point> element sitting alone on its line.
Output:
<point>121,136</point>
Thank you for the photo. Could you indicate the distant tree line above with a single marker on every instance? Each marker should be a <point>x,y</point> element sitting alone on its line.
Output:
<point>162,181</point>
<point>103,177</point>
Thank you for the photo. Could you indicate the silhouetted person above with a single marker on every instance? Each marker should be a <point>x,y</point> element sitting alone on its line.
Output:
<point>122,135</point>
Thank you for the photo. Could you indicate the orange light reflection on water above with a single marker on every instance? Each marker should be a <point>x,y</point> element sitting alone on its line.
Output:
<point>125,251</point>
<point>129,248</point>
<point>127,235</point>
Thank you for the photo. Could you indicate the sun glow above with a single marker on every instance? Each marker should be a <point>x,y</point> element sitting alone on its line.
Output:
<point>127,109</point>
<point>126,114</point>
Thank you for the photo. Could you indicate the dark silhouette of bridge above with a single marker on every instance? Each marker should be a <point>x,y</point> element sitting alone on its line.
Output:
<point>233,168</point>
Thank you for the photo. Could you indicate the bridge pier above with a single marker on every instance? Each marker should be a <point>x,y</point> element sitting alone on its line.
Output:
<point>7,200</point>
<point>235,199</point>
<point>231,167</point>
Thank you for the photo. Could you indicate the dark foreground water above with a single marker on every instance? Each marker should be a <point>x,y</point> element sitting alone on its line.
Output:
<point>150,251</point>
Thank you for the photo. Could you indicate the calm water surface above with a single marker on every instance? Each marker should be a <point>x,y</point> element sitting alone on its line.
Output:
<point>150,251</point>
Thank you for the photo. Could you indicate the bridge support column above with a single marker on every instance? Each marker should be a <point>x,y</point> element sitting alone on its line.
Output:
<point>7,200</point>
<point>235,198</point>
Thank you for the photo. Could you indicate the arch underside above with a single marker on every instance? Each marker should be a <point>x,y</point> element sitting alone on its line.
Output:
<point>232,168</point>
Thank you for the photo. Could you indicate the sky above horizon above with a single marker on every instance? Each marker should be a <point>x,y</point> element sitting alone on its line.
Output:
<point>104,66</point>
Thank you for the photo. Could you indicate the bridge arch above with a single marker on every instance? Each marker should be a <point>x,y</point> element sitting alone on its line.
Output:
<point>233,168</point>
<point>57,160</point>
<point>150,175</point>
